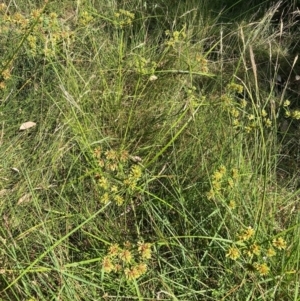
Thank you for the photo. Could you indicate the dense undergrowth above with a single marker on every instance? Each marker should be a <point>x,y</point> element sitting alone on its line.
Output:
<point>164,160</point>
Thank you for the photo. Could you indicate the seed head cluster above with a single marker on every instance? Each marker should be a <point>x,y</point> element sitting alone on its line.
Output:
<point>130,260</point>
<point>118,177</point>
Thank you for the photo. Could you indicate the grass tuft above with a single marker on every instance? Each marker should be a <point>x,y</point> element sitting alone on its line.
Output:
<point>164,163</point>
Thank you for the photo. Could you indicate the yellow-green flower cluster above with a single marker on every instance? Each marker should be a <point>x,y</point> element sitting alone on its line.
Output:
<point>118,177</point>
<point>289,113</point>
<point>20,21</point>
<point>3,8</point>
<point>85,18</point>
<point>45,35</point>
<point>203,63</point>
<point>129,260</point>
<point>192,98</point>
<point>229,98</point>
<point>226,100</point>
<point>246,234</point>
<point>123,18</point>
<point>133,178</point>
<point>143,66</point>
<point>232,104</point>
<point>5,76</point>
<point>48,34</point>
<point>261,268</point>
<point>241,118</point>
<point>266,120</point>
<point>234,88</point>
<point>255,254</point>
<point>222,184</point>
<point>279,243</point>
<point>294,114</point>
<point>249,121</point>
<point>233,253</point>
<point>36,15</point>
<point>176,37</point>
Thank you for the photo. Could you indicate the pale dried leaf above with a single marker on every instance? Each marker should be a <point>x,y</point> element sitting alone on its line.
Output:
<point>153,78</point>
<point>27,125</point>
<point>3,192</point>
<point>15,169</point>
<point>136,159</point>
<point>24,199</point>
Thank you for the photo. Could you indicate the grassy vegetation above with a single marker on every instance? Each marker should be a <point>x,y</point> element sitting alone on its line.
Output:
<point>164,163</point>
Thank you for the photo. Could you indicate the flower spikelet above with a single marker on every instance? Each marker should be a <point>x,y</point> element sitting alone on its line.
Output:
<point>247,234</point>
<point>254,249</point>
<point>125,256</point>
<point>262,268</point>
<point>136,172</point>
<point>114,250</point>
<point>107,264</point>
<point>233,253</point>
<point>145,250</point>
<point>105,198</point>
<point>279,243</point>
<point>271,252</point>
<point>132,273</point>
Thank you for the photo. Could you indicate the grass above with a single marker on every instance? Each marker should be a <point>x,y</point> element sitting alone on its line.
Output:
<point>164,164</point>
